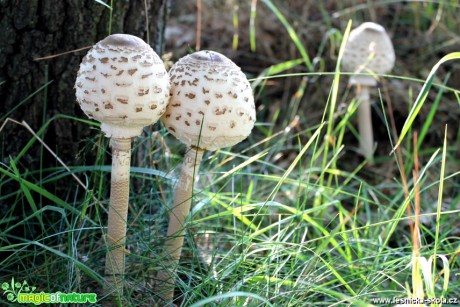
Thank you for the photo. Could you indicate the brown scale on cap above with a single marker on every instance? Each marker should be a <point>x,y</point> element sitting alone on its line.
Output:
<point>142,91</point>
<point>210,96</point>
<point>124,84</point>
<point>118,72</point>
<point>190,95</point>
<point>123,100</point>
<point>146,63</point>
<point>146,75</point>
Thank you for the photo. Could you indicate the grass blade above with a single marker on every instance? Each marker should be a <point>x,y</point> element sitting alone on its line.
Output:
<point>423,95</point>
<point>295,39</point>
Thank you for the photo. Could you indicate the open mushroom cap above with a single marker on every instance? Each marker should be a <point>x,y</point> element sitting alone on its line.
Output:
<point>211,104</point>
<point>123,84</point>
<point>368,49</point>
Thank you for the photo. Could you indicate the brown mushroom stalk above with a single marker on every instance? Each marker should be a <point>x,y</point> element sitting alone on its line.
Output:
<point>123,84</point>
<point>368,49</point>
<point>211,107</point>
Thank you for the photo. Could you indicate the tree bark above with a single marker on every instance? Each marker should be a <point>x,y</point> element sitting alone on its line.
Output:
<point>39,28</point>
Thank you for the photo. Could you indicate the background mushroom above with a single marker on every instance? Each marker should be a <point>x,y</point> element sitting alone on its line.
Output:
<point>123,84</point>
<point>211,107</point>
<point>368,50</point>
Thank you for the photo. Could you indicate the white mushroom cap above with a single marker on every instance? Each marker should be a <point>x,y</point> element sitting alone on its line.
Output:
<point>368,48</point>
<point>211,104</point>
<point>123,84</point>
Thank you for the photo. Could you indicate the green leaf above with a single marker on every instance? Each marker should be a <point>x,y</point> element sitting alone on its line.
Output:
<point>25,190</point>
<point>41,191</point>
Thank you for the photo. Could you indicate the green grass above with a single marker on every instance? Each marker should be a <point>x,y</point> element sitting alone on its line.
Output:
<point>289,217</point>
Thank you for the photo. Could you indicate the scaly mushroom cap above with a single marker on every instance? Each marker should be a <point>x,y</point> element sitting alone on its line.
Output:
<point>211,104</point>
<point>368,48</point>
<point>123,84</point>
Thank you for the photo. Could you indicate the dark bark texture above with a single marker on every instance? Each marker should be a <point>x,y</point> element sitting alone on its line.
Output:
<point>31,29</point>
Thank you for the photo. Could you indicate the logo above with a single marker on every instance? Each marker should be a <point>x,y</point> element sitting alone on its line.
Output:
<point>23,293</point>
<point>13,289</point>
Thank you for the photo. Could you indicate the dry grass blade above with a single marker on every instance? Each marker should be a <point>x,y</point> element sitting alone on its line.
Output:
<point>416,172</point>
<point>198,25</point>
<point>417,282</point>
<point>48,57</point>
<point>399,154</point>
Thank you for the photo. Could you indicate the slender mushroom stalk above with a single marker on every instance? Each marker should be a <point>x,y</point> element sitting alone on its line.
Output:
<point>182,201</point>
<point>366,135</point>
<point>118,211</point>
<point>368,49</point>
<point>211,107</point>
<point>177,217</point>
<point>123,84</point>
<point>366,141</point>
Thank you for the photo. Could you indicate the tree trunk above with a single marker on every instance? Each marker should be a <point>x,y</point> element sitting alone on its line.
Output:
<point>39,28</point>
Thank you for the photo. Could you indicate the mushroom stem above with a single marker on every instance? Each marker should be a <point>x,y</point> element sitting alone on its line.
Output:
<point>118,213</point>
<point>366,141</point>
<point>177,216</point>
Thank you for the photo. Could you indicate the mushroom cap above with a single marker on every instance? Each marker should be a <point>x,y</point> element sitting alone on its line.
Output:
<point>368,48</point>
<point>211,104</point>
<point>123,84</point>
